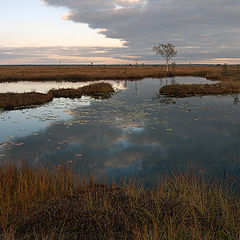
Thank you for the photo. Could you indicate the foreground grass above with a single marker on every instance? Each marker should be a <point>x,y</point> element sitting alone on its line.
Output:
<point>36,203</point>
<point>17,100</point>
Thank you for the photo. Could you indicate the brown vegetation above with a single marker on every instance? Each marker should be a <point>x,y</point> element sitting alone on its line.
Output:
<point>224,73</point>
<point>185,90</point>
<point>16,100</point>
<point>36,203</point>
<point>86,73</point>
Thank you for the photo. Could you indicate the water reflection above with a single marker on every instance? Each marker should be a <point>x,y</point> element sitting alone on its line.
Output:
<point>45,87</point>
<point>132,135</point>
<point>236,99</point>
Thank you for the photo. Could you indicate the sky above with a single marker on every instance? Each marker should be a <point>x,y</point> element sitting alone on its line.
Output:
<point>118,31</point>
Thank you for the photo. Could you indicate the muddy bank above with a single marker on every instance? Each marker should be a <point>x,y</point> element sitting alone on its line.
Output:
<point>10,101</point>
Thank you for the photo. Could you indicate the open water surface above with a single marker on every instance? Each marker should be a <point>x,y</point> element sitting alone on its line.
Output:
<point>135,133</point>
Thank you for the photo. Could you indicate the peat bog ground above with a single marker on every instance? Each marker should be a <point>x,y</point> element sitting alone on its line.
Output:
<point>37,203</point>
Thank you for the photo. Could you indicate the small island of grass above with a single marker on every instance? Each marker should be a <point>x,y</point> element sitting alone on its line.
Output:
<point>18,100</point>
<point>186,90</point>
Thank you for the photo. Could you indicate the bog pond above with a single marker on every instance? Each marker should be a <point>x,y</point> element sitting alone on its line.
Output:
<point>135,133</point>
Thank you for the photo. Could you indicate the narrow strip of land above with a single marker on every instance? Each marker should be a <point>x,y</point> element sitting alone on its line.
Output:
<point>186,90</point>
<point>19,100</point>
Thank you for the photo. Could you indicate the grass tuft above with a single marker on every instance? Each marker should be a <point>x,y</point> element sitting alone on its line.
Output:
<point>185,90</point>
<point>36,203</point>
<point>17,100</point>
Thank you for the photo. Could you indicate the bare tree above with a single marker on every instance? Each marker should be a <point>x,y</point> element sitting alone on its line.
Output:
<point>167,51</point>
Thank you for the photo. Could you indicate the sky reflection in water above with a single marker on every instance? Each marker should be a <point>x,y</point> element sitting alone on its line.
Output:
<point>135,133</point>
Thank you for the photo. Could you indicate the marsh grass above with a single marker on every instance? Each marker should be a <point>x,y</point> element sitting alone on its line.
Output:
<point>37,203</point>
<point>86,73</point>
<point>128,72</point>
<point>17,100</point>
<point>184,90</point>
<point>14,100</point>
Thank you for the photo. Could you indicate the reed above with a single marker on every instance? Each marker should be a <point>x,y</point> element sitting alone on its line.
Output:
<point>37,203</point>
<point>18,100</point>
<point>86,73</point>
<point>185,90</point>
<point>228,76</point>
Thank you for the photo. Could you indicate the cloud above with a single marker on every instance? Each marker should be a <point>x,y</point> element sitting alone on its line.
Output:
<point>201,30</point>
<point>67,55</point>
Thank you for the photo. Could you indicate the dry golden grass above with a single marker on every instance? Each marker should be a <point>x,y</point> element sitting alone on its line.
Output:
<point>82,73</point>
<point>16,100</point>
<point>184,90</point>
<point>229,74</point>
<point>36,203</point>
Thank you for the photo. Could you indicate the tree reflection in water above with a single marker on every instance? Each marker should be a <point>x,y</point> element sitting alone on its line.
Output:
<point>236,99</point>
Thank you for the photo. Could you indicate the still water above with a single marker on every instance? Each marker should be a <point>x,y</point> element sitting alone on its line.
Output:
<point>135,133</point>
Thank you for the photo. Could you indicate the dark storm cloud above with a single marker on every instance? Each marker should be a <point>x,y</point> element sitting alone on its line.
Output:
<point>200,29</point>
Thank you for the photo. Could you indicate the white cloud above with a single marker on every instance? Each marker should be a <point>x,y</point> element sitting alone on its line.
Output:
<point>67,55</point>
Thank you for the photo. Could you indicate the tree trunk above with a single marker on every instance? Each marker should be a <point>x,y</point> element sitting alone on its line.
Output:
<point>167,73</point>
